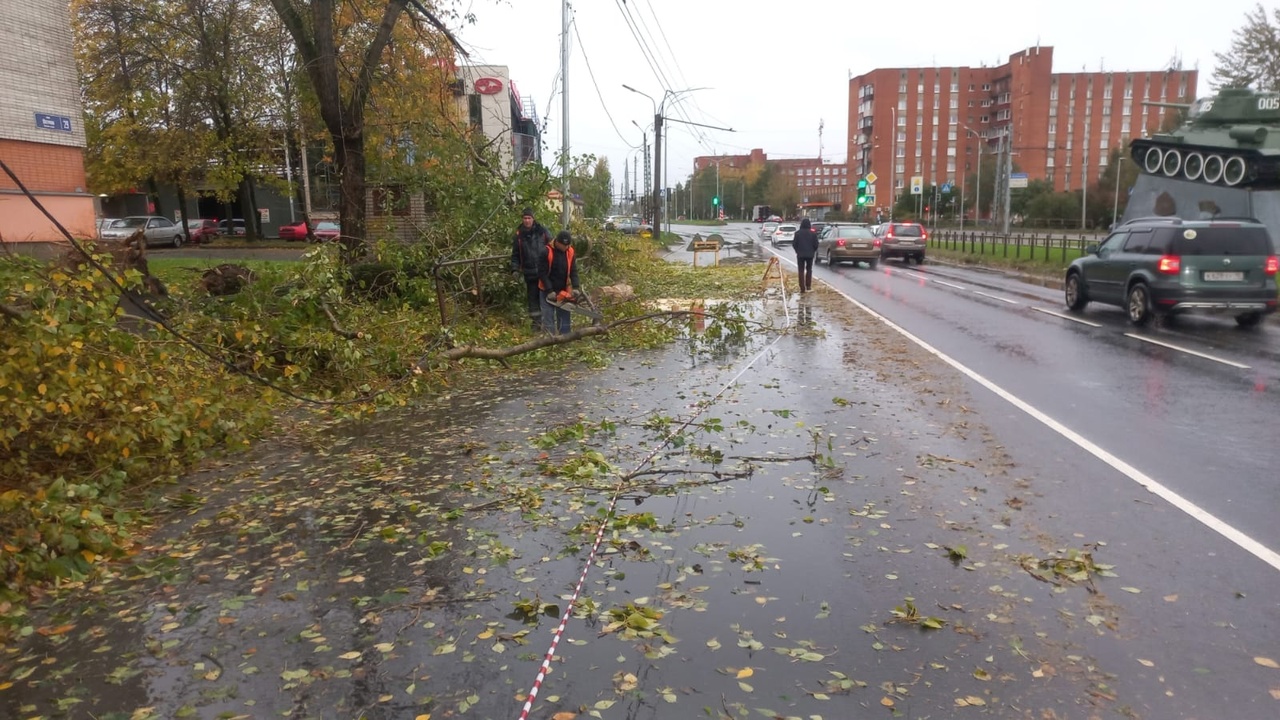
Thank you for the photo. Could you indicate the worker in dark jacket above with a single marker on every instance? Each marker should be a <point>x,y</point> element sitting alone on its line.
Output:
<point>805,243</point>
<point>528,248</point>
<point>557,282</point>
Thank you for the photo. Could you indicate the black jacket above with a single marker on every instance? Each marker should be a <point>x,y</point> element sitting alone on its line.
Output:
<point>805,243</point>
<point>528,248</point>
<point>557,272</point>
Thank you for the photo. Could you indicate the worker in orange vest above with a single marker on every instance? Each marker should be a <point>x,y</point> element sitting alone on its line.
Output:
<point>558,282</point>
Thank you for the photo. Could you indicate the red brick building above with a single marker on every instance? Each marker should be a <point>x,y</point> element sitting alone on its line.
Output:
<point>820,186</point>
<point>931,122</point>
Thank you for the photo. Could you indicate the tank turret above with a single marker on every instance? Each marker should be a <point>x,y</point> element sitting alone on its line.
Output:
<point>1226,140</point>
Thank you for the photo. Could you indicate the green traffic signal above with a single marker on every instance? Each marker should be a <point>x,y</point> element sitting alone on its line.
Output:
<point>862,184</point>
<point>715,200</point>
<point>862,199</point>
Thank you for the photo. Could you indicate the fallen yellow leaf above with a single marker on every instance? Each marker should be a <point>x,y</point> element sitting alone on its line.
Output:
<point>1148,663</point>
<point>1275,691</point>
<point>1267,662</point>
<point>423,716</point>
<point>486,634</point>
<point>1171,598</point>
<point>974,700</point>
<point>886,701</point>
<point>745,673</point>
<point>7,685</point>
<point>564,716</point>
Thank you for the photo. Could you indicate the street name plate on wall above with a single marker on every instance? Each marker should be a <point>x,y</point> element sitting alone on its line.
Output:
<point>56,123</point>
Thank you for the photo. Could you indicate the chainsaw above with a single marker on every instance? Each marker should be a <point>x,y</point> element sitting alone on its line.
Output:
<point>576,301</point>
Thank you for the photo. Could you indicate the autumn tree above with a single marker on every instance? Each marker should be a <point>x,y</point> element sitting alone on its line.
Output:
<point>342,44</point>
<point>1254,57</point>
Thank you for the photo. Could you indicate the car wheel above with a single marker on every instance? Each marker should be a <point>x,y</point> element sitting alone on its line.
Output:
<point>1074,291</point>
<point>1248,320</point>
<point>920,259</point>
<point>177,241</point>
<point>830,260</point>
<point>1138,304</point>
<point>872,263</point>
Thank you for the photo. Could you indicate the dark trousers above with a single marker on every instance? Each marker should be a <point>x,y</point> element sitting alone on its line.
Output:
<point>533,302</point>
<point>805,265</point>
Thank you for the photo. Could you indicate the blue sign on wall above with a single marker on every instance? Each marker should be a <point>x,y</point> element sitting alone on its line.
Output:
<point>57,123</point>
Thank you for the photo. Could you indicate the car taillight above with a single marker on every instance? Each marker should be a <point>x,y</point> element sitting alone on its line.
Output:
<point>1272,266</point>
<point>924,236</point>
<point>889,235</point>
<point>840,242</point>
<point>877,243</point>
<point>1170,265</point>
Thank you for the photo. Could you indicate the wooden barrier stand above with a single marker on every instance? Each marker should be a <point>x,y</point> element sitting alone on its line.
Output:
<point>710,244</point>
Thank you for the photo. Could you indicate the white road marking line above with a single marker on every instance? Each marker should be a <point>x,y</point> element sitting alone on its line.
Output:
<point>1066,317</point>
<point>950,285</point>
<point>1209,520</point>
<point>1188,351</point>
<point>996,297</point>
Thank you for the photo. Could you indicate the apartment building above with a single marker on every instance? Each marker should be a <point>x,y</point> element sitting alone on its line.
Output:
<point>933,122</point>
<point>491,103</point>
<point>820,186</point>
<point>41,125</point>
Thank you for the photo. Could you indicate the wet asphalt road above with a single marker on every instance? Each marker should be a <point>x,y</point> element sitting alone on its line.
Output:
<point>776,542</point>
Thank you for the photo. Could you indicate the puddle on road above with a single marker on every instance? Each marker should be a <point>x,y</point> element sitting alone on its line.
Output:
<point>411,565</point>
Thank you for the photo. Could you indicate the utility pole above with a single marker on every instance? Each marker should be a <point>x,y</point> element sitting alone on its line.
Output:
<point>1008,171</point>
<point>1115,205</point>
<point>566,202</point>
<point>645,194</point>
<point>658,203</point>
<point>1084,186</point>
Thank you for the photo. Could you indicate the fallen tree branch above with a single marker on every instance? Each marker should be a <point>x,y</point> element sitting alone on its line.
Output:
<point>776,458</point>
<point>12,312</point>
<point>337,329</point>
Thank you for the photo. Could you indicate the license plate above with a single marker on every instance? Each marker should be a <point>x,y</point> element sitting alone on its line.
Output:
<point>857,245</point>
<point>1223,276</point>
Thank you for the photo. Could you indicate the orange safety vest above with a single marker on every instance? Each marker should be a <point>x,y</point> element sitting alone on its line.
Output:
<point>568,268</point>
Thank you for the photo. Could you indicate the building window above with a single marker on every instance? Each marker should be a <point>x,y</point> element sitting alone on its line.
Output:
<point>955,86</point>
<point>1049,161</point>
<point>986,87</point>
<point>477,117</point>
<point>1053,95</point>
<point>951,134</point>
<point>902,137</point>
<point>902,121</point>
<point>902,89</point>
<point>898,183</point>
<point>920,89</point>
<point>902,105</point>
<point>391,199</point>
<point>902,152</point>
<point>1124,126</point>
<point>919,120</point>
<point>919,135</point>
<point>951,167</point>
<point>986,118</point>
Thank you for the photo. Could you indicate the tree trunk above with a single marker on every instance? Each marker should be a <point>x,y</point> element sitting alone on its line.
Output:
<point>253,200</point>
<point>247,210</point>
<point>182,207</point>
<point>349,158</point>
<point>153,194</point>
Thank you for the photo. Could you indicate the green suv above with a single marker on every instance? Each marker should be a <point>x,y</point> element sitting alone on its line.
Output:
<point>1164,265</point>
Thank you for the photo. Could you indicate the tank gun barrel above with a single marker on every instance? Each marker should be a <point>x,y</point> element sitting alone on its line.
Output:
<point>1175,106</point>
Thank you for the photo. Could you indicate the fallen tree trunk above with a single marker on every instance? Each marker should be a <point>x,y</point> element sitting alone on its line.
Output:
<point>471,351</point>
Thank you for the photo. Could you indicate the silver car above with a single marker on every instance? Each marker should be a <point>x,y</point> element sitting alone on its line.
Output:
<point>158,230</point>
<point>784,235</point>
<point>766,230</point>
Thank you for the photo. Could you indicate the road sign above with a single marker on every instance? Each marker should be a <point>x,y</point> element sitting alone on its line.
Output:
<point>946,187</point>
<point>871,178</point>
<point>917,184</point>
<point>1017,180</point>
<point>53,122</point>
<point>871,200</point>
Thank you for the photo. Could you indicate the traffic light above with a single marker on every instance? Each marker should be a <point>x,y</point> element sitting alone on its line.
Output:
<point>862,191</point>
<point>715,200</point>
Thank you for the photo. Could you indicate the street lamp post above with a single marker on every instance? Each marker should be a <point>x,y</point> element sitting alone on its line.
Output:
<point>657,150</point>
<point>1115,204</point>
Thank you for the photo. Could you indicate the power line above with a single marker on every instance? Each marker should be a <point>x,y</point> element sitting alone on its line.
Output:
<point>596,85</point>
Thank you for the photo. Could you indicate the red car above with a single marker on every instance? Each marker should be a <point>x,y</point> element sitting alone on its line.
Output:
<point>202,231</point>
<point>324,232</point>
<point>294,231</point>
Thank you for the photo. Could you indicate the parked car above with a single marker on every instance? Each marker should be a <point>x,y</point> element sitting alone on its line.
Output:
<point>104,223</point>
<point>849,243</point>
<point>1154,267</point>
<point>818,227</point>
<point>784,235</point>
<point>293,232</point>
<point>202,231</point>
<point>904,240</point>
<point>234,226</point>
<point>327,231</point>
<point>157,230</point>
<point>766,230</point>
<point>624,225</point>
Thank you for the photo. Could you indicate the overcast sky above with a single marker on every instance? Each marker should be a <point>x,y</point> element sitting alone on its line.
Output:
<point>775,70</point>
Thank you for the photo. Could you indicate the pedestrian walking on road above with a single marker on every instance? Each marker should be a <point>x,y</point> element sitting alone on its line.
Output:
<point>805,243</point>
<point>558,282</point>
<point>528,248</point>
